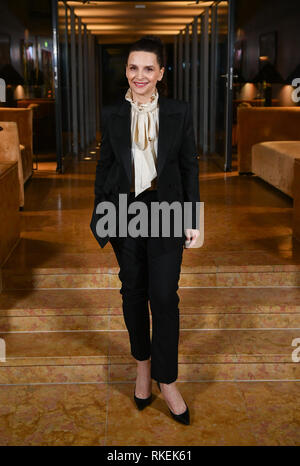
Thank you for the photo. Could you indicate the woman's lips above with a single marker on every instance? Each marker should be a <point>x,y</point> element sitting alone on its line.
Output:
<point>137,84</point>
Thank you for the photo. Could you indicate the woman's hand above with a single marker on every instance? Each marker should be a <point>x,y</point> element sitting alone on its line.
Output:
<point>191,235</point>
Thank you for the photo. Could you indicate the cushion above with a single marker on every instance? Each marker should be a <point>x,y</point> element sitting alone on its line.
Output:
<point>273,161</point>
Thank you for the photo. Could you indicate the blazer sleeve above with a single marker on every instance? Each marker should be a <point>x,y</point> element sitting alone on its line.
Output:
<point>189,165</point>
<point>102,168</point>
<point>105,160</point>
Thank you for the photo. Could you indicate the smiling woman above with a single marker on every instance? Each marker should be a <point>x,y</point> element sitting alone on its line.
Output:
<point>146,70</point>
<point>148,152</point>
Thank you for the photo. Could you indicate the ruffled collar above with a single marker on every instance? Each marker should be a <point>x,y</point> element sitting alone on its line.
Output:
<point>143,107</point>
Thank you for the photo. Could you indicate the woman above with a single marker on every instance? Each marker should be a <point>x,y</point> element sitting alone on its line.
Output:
<point>148,152</point>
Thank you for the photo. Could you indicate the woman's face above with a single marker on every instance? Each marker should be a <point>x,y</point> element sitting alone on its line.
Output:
<point>143,72</point>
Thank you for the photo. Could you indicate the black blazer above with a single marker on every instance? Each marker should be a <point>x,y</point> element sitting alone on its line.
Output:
<point>177,158</point>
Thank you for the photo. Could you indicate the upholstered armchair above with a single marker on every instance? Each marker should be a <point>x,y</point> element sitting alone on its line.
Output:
<point>9,209</point>
<point>261,124</point>
<point>10,152</point>
<point>43,122</point>
<point>23,118</point>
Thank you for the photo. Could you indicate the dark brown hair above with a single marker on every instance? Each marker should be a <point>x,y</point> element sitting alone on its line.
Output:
<point>151,43</point>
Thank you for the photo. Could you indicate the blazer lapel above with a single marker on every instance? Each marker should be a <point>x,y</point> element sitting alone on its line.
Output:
<point>168,119</point>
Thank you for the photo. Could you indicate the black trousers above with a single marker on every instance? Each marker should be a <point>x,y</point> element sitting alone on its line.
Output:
<point>149,273</point>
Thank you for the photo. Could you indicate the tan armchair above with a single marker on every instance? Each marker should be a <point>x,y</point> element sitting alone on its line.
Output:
<point>261,124</point>
<point>23,118</point>
<point>43,122</point>
<point>296,193</point>
<point>9,209</point>
<point>10,152</point>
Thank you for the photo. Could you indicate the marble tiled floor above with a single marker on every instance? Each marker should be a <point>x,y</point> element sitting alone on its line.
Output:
<point>244,414</point>
<point>247,221</point>
<point>69,375</point>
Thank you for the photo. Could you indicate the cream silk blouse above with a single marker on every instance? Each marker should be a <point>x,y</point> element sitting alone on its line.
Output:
<point>144,136</point>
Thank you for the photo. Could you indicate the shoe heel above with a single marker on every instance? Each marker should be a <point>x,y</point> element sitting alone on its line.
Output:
<point>183,418</point>
<point>141,403</point>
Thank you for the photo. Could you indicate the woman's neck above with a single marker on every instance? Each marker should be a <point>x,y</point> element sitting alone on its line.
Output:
<point>141,99</point>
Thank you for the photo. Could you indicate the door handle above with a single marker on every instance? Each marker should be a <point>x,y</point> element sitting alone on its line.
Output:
<point>226,75</point>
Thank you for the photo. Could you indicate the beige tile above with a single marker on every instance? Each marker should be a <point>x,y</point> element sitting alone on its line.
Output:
<point>258,342</point>
<point>35,301</point>
<point>76,280</point>
<point>53,415</point>
<point>56,344</point>
<point>217,412</point>
<point>274,411</point>
<point>77,372</point>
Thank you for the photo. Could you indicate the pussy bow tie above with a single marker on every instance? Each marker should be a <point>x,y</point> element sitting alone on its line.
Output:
<point>144,126</point>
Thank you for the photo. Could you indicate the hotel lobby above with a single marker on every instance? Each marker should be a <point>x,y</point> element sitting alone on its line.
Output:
<point>66,371</point>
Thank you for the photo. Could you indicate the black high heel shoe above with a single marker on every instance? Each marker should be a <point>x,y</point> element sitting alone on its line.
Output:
<point>141,403</point>
<point>184,418</point>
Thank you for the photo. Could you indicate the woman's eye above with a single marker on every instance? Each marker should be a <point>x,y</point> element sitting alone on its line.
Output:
<point>133,68</point>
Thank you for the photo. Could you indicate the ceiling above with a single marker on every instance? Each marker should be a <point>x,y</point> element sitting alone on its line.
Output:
<point>125,22</point>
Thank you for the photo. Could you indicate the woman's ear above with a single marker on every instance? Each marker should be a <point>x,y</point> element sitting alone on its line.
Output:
<point>162,70</point>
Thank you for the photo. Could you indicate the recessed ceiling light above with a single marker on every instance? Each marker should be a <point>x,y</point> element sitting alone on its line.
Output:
<point>139,6</point>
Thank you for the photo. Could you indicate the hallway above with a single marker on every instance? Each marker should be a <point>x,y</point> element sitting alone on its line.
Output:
<point>68,377</point>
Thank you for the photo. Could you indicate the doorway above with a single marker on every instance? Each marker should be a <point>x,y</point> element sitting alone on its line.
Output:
<point>220,69</point>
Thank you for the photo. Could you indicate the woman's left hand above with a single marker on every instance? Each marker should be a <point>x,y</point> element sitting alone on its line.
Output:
<point>191,235</point>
